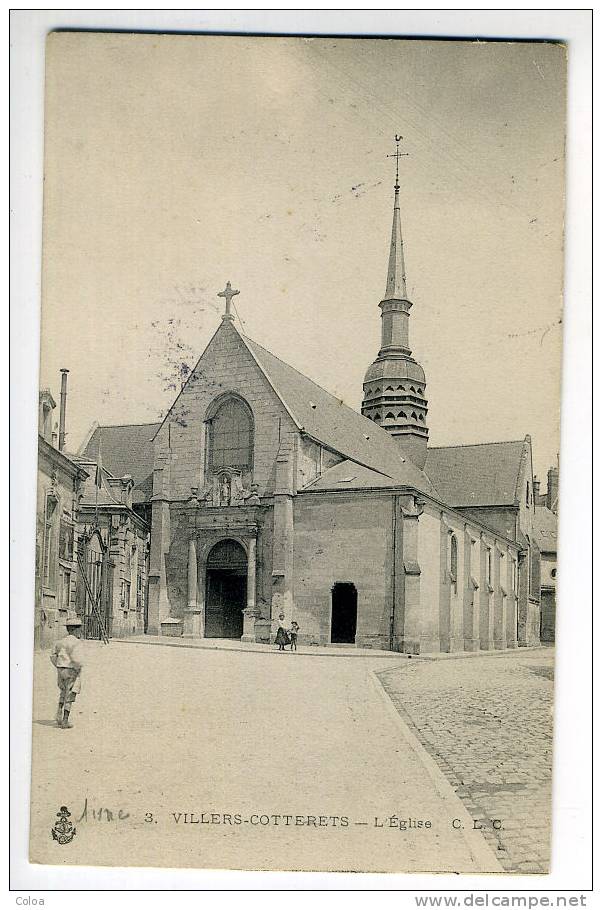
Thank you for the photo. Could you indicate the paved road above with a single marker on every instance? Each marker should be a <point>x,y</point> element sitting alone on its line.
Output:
<point>487,721</point>
<point>220,734</point>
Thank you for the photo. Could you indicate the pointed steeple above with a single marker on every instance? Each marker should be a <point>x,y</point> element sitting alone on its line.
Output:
<point>396,274</point>
<point>395,384</point>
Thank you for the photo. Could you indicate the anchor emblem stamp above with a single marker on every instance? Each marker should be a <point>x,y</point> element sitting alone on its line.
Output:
<point>63,831</point>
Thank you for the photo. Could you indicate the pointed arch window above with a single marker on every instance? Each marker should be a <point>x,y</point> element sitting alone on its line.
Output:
<point>376,418</point>
<point>402,414</point>
<point>390,416</point>
<point>453,563</point>
<point>231,435</point>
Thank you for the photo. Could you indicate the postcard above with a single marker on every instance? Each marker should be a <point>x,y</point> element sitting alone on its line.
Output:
<point>298,475</point>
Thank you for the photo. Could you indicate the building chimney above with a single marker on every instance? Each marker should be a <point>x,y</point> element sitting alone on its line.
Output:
<point>552,494</point>
<point>63,409</point>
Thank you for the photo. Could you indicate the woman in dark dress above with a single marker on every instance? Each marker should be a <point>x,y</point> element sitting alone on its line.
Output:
<point>282,636</point>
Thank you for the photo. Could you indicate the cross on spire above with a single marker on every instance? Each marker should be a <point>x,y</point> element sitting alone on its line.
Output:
<point>228,293</point>
<point>397,156</point>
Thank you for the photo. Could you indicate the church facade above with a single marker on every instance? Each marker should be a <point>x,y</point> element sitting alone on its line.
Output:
<point>268,495</point>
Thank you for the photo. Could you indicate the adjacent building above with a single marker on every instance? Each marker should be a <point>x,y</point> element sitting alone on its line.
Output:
<point>546,532</point>
<point>92,538</point>
<point>59,483</point>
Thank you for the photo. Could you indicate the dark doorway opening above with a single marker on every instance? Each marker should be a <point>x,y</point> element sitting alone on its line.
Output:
<point>226,589</point>
<point>344,613</point>
<point>547,618</point>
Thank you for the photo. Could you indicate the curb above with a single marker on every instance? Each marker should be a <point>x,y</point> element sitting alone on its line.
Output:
<point>157,641</point>
<point>324,651</point>
<point>466,655</point>
<point>480,851</point>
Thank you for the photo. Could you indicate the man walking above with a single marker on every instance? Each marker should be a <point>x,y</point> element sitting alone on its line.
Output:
<point>67,659</point>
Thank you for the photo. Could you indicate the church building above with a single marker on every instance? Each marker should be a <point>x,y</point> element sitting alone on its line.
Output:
<point>267,495</point>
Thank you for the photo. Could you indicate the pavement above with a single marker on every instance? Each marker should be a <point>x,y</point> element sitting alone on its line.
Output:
<point>206,758</point>
<point>488,723</point>
<point>235,644</point>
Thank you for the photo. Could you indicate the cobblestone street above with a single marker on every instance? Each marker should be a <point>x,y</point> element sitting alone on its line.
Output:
<point>487,722</point>
<point>234,759</point>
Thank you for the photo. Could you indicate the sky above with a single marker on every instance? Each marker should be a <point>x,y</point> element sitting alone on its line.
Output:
<point>176,163</point>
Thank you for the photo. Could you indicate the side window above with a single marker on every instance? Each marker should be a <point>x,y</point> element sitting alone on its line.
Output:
<point>453,562</point>
<point>66,541</point>
<point>50,542</point>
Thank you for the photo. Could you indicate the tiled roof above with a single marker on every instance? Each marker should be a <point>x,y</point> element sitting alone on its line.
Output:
<point>340,428</point>
<point>347,475</point>
<point>476,475</point>
<point>545,529</point>
<point>126,449</point>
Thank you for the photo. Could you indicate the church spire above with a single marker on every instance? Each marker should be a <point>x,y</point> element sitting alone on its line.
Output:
<point>395,384</point>
<point>396,274</point>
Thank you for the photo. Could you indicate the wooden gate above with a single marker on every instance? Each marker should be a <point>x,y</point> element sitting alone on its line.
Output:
<point>94,587</point>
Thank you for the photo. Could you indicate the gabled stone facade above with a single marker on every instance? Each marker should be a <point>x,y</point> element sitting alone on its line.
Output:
<point>269,496</point>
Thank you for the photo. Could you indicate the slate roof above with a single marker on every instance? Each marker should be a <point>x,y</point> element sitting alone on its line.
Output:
<point>476,475</point>
<point>340,428</point>
<point>545,529</point>
<point>348,475</point>
<point>461,476</point>
<point>126,449</point>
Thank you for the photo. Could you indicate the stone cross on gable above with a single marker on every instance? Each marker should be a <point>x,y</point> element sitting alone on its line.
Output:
<point>228,293</point>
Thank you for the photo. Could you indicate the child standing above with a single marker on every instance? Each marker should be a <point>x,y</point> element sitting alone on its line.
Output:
<point>293,634</point>
<point>66,657</point>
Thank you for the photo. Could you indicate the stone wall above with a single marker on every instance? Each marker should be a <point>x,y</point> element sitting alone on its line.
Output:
<point>471,608</point>
<point>429,544</point>
<point>343,538</point>
<point>225,366</point>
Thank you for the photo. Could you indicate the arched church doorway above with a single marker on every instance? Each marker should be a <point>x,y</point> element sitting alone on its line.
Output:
<point>226,590</point>
<point>343,622</point>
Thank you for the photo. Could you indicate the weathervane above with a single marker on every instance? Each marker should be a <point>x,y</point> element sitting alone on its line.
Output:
<point>228,293</point>
<point>397,156</point>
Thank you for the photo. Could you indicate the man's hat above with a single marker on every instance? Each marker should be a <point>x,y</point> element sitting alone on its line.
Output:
<point>73,620</point>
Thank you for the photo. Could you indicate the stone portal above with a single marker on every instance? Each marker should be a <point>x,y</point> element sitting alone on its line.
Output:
<point>226,590</point>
